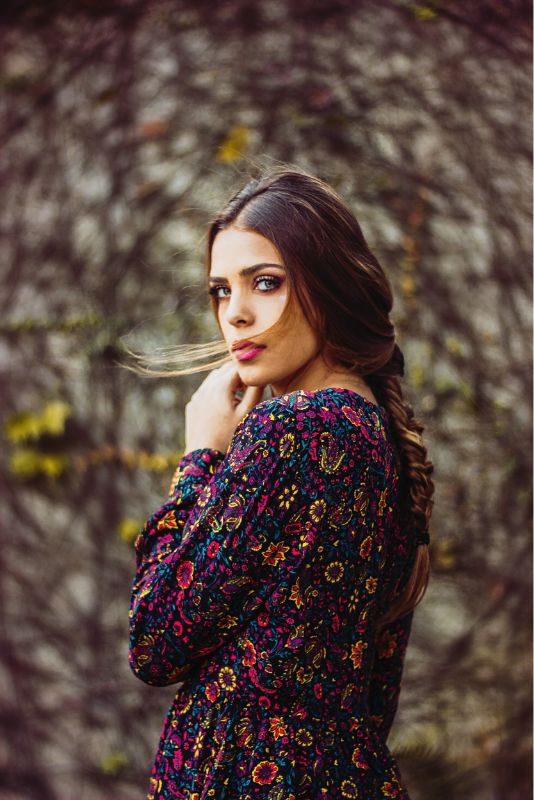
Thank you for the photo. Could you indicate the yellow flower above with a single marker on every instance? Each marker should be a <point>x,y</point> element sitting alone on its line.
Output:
<point>227,679</point>
<point>288,495</point>
<point>318,510</point>
<point>371,584</point>
<point>334,572</point>
<point>303,737</point>
<point>287,445</point>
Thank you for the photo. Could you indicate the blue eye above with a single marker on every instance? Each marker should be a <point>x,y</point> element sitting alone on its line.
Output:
<point>275,282</point>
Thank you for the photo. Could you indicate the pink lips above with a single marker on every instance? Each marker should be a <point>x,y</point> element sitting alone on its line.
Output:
<point>245,354</point>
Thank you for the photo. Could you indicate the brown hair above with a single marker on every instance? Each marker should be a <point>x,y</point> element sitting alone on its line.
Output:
<point>344,290</point>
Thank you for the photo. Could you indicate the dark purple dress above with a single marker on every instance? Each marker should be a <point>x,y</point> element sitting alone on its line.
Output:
<point>258,587</point>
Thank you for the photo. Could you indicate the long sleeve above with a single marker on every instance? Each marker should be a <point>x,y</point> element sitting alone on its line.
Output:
<point>210,556</point>
<point>384,689</point>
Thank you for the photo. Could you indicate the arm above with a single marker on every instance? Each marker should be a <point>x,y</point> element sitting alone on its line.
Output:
<point>196,584</point>
<point>384,689</point>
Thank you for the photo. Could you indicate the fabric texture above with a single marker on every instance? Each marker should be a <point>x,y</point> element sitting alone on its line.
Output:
<point>258,586</point>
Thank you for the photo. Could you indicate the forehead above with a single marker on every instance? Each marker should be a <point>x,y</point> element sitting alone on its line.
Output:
<point>233,249</point>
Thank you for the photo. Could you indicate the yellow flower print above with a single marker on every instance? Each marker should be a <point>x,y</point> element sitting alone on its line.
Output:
<point>349,789</point>
<point>371,584</point>
<point>288,495</point>
<point>353,602</point>
<point>275,553</point>
<point>227,679</point>
<point>277,727</point>
<point>287,445</point>
<point>358,759</point>
<point>295,594</point>
<point>304,675</point>
<point>303,737</point>
<point>382,502</point>
<point>365,547</point>
<point>264,772</point>
<point>197,746</point>
<point>318,510</point>
<point>389,789</point>
<point>356,653</point>
<point>334,572</point>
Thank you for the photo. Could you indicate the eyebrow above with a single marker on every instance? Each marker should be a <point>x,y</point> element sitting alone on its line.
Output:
<point>246,271</point>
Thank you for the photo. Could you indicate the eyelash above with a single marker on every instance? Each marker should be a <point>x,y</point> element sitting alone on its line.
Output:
<point>276,281</point>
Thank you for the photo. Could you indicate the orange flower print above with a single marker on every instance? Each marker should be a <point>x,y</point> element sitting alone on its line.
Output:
<point>212,691</point>
<point>334,572</point>
<point>371,584</point>
<point>277,727</point>
<point>365,547</point>
<point>387,645</point>
<point>287,445</point>
<point>288,495</point>
<point>184,574</point>
<point>358,759</point>
<point>168,521</point>
<point>295,594</point>
<point>227,679</point>
<point>318,510</point>
<point>264,773</point>
<point>275,553</point>
<point>356,653</point>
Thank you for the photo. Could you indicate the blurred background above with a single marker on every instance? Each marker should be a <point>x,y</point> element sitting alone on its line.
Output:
<point>124,126</point>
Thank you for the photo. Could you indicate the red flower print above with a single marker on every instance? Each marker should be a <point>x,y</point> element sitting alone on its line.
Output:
<point>277,727</point>
<point>168,521</point>
<point>184,574</point>
<point>387,645</point>
<point>356,653</point>
<point>390,790</point>
<point>264,772</point>
<point>275,553</point>
<point>213,549</point>
<point>358,759</point>
<point>212,691</point>
<point>249,657</point>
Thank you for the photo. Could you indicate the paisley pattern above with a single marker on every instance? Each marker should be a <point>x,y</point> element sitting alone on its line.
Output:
<point>258,587</point>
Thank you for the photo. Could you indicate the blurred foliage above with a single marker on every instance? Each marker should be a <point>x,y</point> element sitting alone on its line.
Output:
<point>124,126</point>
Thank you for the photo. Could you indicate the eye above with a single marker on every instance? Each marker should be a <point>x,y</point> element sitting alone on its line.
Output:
<point>214,290</point>
<point>275,282</point>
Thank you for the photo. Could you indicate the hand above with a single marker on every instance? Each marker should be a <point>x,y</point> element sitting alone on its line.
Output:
<point>214,411</point>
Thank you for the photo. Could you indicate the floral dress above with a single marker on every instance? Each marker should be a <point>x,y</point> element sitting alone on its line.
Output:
<point>258,587</point>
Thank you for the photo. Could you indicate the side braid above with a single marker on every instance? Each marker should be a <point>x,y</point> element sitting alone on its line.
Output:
<point>417,488</point>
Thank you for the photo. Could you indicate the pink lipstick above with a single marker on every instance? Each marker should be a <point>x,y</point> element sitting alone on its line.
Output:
<point>244,354</point>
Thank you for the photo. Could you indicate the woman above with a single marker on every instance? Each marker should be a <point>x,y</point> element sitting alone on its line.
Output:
<point>277,583</point>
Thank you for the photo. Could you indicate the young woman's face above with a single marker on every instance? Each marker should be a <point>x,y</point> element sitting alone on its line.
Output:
<point>250,283</point>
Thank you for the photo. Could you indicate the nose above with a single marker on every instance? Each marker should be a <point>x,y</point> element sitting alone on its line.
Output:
<point>238,309</point>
